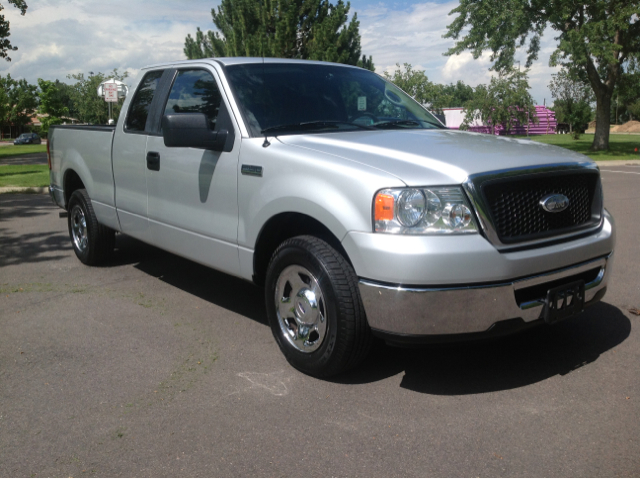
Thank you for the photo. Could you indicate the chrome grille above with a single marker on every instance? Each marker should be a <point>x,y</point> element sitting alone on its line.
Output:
<point>507,203</point>
<point>515,205</point>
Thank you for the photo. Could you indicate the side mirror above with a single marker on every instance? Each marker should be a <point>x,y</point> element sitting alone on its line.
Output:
<point>191,130</point>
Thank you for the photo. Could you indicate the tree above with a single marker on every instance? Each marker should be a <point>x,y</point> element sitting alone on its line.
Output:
<point>634,109</point>
<point>4,103</point>
<point>627,94</point>
<point>5,44</point>
<point>51,104</point>
<point>87,105</point>
<point>453,95</point>
<point>596,38</point>
<point>21,101</point>
<point>572,99</point>
<point>309,29</point>
<point>435,96</point>
<point>506,101</point>
<point>413,82</point>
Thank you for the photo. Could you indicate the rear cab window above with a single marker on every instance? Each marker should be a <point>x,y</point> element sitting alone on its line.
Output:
<point>139,108</point>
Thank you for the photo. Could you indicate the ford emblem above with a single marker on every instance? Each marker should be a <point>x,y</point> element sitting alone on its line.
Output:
<point>554,203</point>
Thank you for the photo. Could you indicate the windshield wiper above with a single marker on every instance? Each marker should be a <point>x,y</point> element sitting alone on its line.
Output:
<point>384,124</point>
<point>310,125</point>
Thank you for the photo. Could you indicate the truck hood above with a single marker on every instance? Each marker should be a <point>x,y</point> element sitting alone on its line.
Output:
<point>430,157</point>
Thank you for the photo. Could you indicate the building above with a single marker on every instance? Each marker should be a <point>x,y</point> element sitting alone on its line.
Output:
<point>546,125</point>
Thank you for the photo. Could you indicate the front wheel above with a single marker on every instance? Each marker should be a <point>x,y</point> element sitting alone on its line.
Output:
<point>92,242</point>
<point>314,307</point>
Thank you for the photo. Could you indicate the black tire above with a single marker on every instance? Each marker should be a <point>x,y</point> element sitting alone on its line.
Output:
<point>346,338</point>
<point>92,242</point>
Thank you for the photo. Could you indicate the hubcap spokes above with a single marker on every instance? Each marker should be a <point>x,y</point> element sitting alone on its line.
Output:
<point>79,228</point>
<point>300,308</point>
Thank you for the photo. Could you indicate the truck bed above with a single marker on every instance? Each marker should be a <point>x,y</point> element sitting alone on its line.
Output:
<point>84,150</point>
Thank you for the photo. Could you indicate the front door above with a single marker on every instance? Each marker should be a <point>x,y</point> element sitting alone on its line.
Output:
<point>192,193</point>
<point>129,167</point>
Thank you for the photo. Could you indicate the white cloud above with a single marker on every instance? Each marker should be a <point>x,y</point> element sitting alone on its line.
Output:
<point>414,35</point>
<point>78,36</point>
<point>56,39</point>
<point>464,67</point>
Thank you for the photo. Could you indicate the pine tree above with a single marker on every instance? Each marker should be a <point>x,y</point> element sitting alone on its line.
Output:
<point>306,29</point>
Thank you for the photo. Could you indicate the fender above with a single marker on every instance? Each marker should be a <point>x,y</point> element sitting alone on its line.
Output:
<point>335,192</point>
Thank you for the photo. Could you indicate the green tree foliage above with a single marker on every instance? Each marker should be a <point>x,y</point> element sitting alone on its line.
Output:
<point>572,99</point>
<point>627,94</point>
<point>506,101</point>
<point>87,105</point>
<point>52,104</point>
<point>5,44</point>
<point>20,101</point>
<point>595,40</point>
<point>634,110</point>
<point>453,95</point>
<point>308,29</point>
<point>4,103</point>
<point>434,96</point>
<point>413,82</point>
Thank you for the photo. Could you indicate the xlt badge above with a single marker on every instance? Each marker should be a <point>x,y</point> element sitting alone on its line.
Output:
<point>251,170</point>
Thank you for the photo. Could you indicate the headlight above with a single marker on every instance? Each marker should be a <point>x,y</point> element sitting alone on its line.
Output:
<point>411,207</point>
<point>420,211</point>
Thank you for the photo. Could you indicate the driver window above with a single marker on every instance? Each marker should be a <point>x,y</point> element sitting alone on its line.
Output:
<point>195,91</point>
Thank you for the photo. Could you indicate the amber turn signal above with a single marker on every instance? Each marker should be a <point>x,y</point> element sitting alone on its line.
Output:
<point>384,207</point>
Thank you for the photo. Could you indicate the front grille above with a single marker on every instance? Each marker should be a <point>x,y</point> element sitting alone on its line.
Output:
<point>516,213</point>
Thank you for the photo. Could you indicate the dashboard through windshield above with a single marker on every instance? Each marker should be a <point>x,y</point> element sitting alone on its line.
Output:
<point>292,98</point>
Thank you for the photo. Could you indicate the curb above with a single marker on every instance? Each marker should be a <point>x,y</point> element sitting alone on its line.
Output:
<point>619,163</point>
<point>43,190</point>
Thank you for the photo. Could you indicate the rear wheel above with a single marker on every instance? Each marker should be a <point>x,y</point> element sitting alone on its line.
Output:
<point>314,307</point>
<point>92,242</point>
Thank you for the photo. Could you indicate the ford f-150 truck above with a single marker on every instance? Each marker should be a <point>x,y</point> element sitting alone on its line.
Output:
<point>359,213</point>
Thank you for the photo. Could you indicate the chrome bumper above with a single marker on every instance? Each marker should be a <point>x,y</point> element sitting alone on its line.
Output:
<point>471,309</point>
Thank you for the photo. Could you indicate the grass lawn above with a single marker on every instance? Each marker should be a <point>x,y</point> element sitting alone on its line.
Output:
<point>17,150</point>
<point>620,146</point>
<point>24,175</point>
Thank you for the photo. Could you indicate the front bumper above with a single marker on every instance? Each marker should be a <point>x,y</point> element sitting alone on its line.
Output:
<point>423,311</point>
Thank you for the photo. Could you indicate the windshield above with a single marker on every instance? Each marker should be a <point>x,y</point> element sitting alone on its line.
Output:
<point>291,98</point>
<point>24,136</point>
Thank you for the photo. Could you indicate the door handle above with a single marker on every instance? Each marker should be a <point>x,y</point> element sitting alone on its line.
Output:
<point>153,161</point>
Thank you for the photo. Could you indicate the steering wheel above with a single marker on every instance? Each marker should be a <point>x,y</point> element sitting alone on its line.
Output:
<point>393,97</point>
<point>354,118</point>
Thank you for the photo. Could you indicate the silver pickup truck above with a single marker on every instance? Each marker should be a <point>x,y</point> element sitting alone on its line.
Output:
<point>355,208</point>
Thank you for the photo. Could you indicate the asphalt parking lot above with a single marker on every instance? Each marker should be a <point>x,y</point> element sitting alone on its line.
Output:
<point>156,366</point>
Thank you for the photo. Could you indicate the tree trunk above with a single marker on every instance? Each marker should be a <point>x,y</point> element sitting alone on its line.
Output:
<point>603,122</point>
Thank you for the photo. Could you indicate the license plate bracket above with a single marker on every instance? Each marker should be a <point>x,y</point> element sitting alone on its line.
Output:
<point>564,301</point>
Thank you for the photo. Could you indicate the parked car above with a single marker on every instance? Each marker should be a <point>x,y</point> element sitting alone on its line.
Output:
<point>28,139</point>
<point>355,209</point>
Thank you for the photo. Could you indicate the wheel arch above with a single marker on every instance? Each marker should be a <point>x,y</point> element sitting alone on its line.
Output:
<point>280,228</point>
<point>70,183</point>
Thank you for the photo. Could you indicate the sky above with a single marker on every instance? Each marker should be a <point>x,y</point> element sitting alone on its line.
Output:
<point>57,38</point>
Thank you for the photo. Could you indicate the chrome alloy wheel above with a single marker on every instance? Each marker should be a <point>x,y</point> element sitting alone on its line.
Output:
<point>79,228</point>
<point>300,308</point>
